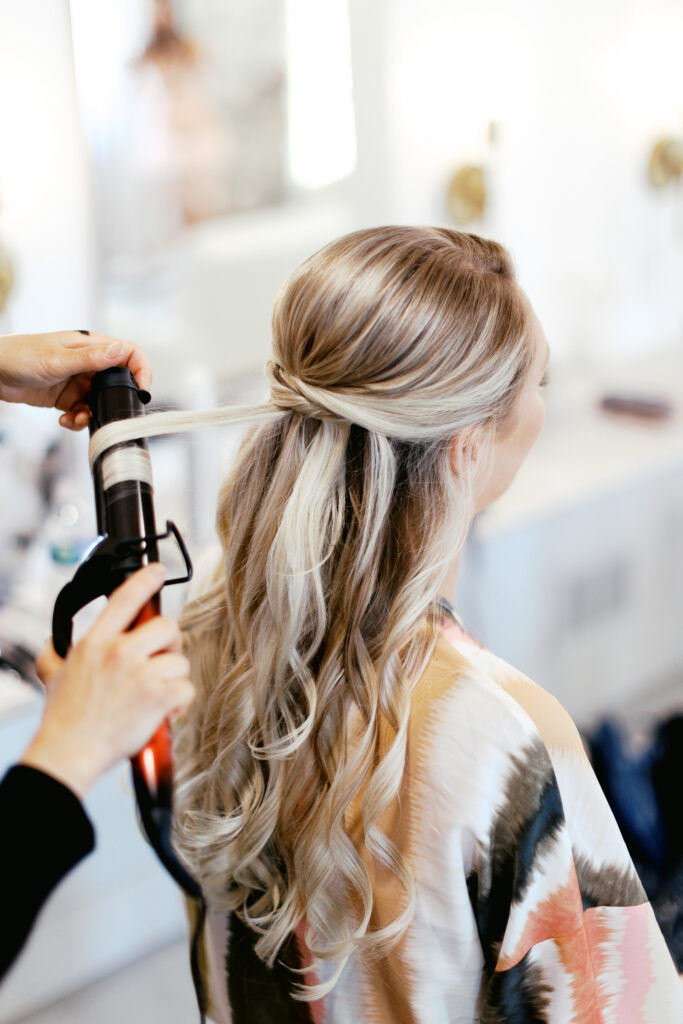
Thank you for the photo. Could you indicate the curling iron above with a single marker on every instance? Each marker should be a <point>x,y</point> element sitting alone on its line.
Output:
<point>128,539</point>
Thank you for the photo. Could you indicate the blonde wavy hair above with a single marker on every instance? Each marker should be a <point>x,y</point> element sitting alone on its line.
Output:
<point>344,510</point>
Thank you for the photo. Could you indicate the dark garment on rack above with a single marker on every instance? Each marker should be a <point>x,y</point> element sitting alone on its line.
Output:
<point>643,791</point>
<point>45,833</point>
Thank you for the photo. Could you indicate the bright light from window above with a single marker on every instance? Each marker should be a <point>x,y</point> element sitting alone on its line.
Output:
<point>322,137</point>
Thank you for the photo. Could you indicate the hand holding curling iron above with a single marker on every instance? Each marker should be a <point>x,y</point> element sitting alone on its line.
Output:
<point>107,697</point>
<point>113,693</point>
<point>56,369</point>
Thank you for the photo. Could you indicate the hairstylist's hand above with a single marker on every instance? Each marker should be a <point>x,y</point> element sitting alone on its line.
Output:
<point>107,698</point>
<point>56,369</point>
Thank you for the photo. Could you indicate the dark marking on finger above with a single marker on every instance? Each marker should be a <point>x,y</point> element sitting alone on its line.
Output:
<point>82,332</point>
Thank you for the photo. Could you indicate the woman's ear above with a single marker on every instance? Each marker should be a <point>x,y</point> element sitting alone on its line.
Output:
<point>463,448</point>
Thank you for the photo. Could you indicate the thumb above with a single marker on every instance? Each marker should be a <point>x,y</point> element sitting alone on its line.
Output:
<point>90,358</point>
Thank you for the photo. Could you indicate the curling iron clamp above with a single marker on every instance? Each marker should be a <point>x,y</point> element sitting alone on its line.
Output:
<point>128,539</point>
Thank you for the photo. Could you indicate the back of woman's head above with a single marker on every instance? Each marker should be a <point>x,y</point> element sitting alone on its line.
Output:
<point>339,521</point>
<point>414,332</point>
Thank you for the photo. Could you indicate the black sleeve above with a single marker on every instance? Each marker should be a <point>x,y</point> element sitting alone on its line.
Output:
<point>45,833</point>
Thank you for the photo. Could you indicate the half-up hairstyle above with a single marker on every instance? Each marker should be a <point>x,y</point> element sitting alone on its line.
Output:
<point>339,521</point>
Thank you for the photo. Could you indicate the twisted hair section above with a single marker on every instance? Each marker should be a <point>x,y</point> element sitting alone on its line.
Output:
<point>339,520</point>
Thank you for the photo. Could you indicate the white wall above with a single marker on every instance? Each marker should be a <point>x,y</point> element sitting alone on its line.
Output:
<point>581,92</point>
<point>45,211</point>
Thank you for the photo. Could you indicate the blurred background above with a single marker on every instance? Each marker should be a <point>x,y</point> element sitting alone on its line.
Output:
<point>165,165</point>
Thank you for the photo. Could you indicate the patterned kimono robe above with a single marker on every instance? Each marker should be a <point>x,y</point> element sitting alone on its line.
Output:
<point>529,909</point>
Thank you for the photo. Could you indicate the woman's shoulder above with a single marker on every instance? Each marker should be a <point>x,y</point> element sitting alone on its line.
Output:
<point>482,731</point>
<point>493,746</point>
<point>499,702</point>
<point>465,672</point>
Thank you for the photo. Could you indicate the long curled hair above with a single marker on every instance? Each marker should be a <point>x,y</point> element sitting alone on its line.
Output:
<point>339,521</point>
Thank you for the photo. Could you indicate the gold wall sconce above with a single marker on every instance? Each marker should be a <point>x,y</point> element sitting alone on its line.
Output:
<point>6,278</point>
<point>666,162</point>
<point>467,194</point>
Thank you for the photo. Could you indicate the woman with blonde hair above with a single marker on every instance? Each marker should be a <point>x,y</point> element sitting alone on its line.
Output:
<point>389,822</point>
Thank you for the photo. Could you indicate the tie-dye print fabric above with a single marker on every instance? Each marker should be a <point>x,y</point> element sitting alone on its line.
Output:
<point>529,909</point>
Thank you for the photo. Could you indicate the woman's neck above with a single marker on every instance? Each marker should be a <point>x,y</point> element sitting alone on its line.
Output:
<point>448,585</point>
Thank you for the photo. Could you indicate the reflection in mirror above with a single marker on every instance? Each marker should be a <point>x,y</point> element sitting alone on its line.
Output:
<point>197,110</point>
